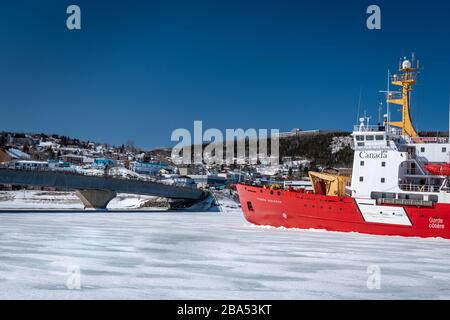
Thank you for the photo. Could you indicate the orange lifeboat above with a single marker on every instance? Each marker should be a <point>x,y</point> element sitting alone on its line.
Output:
<point>440,169</point>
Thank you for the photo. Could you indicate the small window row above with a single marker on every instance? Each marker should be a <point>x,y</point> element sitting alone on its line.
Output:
<point>383,180</point>
<point>362,164</point>
<point>422,149</point>
<point>382,195</point>
<point>370,138</point>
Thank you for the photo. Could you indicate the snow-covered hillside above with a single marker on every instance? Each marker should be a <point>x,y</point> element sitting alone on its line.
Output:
<point>339,143</point>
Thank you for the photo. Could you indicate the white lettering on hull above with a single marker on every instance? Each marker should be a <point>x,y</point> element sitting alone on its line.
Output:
<point>382,214</point>
<point>436,223</point>
<point>269,200</point>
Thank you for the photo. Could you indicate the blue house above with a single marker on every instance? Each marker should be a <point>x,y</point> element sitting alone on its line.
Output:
<point>103,162</point>
<point>151,168</point>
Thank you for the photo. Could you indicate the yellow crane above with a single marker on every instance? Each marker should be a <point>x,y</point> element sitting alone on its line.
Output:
<point>334,185</point>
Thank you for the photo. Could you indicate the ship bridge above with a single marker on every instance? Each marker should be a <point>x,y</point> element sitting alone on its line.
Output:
<point>389,165</point>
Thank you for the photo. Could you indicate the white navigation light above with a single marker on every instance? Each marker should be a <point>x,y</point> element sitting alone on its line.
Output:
<point>406,64</point>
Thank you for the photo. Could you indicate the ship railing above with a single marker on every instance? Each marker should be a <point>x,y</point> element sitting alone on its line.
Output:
<point>428,140</point>
<point>419,188</point>
<point>395,131</point>
<point>403,77</point>
<point>394,95</point>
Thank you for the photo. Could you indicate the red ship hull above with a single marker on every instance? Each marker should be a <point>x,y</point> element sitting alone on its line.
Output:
<point>290,209</point>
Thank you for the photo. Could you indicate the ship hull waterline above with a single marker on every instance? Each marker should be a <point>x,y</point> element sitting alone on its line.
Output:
<point>283,208</point>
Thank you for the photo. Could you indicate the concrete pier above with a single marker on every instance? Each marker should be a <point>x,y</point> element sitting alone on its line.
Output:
<point>95,199</point>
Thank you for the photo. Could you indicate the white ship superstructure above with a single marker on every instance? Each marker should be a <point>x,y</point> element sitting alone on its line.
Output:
<point>390,165</point>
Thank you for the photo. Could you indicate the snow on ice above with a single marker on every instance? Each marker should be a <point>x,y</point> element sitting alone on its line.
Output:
<point>209,255</point>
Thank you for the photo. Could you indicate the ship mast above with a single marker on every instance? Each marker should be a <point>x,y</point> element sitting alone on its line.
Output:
<point>388,107</point>
<point>406,79</point>
<point>449,123</point>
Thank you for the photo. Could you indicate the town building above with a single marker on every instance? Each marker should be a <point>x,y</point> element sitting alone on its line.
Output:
<point>151,168</point>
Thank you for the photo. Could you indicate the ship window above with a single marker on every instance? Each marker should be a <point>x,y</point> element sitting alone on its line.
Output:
<point>383,180</point>
<point>444,149</point>
<point>379,138</point>
<point>383,164</point>
<point>433,198</point>
<point>370,138</point>
<point>360,144</point>
<point>422,149</point>
<point>362,163</point>
<point>381,195</point>
<point>410,196</point>
<point>359,138</point>
<point>361,179</point>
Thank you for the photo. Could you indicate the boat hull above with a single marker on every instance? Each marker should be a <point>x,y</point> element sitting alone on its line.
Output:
<point>289,209</point>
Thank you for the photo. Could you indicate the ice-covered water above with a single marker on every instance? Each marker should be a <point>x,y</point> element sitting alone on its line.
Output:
<point>162,255</point>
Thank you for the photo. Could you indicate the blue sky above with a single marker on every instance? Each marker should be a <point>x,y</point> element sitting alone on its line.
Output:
<point>138,70</point>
